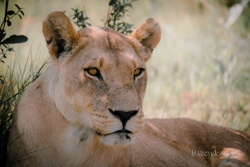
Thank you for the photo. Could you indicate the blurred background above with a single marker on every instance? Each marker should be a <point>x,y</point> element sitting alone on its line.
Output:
<point>200,69</point>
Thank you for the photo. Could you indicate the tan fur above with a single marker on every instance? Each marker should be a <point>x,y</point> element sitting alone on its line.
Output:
<point>65,117</point>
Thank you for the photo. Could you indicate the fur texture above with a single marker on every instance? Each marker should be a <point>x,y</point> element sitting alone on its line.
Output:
<point>72,116</point>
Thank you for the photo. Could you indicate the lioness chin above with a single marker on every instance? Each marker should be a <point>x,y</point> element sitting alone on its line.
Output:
<point>86,108</point>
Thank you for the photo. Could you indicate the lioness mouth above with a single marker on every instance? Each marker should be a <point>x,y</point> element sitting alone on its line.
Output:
<point>116,132</point>
<point>120,137</point>
<point>123,131</point>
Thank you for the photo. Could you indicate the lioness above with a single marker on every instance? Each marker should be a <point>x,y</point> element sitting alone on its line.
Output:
<point>86,108</point>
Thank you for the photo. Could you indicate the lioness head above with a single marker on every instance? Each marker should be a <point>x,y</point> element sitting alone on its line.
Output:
<point>101,76</point>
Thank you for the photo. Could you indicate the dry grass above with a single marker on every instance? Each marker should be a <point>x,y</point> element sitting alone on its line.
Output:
<point>16,81</point>
<point>200,70</point>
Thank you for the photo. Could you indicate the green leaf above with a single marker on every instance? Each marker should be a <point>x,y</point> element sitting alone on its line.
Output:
<point>8,23</point>
<point>15,39</point>
<point>11,50</point>
<point>23,13</point>
<point>112,2</point>
<point>10,12</point>
<point>17,6</point>
<point>20,16</point>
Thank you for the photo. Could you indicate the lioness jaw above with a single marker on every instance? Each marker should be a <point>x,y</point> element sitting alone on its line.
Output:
<point>86,109</point>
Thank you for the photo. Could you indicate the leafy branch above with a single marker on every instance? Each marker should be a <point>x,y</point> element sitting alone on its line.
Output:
<point>79,18</point>
<point>13,39</point>
<point>116,13</point>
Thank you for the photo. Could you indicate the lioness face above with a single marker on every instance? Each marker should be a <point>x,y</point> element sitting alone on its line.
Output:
<point>101,76</point>
<point>107,80</point>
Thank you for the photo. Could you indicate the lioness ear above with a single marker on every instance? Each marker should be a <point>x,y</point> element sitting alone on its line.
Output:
<point>149,35</point>
<point>59,34</point>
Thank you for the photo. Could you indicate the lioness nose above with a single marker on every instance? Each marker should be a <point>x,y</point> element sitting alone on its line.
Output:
<point>124,116</point>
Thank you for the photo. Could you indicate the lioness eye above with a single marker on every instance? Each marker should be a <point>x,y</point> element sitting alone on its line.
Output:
<point>138,72</point>
<point>92,71</point>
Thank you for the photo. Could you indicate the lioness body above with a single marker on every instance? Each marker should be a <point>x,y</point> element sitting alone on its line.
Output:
<point>172,142</point>
<point>86,108</point>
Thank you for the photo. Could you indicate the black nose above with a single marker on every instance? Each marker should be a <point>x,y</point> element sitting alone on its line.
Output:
<point>124,116</point>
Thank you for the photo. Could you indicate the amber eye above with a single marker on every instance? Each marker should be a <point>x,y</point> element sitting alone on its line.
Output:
<point>138,72</point>
<point>92,71</point>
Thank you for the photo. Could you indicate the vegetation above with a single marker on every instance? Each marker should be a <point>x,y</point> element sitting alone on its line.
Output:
<point>79,19</point>
<point>115,17</point>
<point>116,13</point>
<point>9,90</point>
<point>13,39</point>
<point>16,81</point>
<point>201,68</point>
